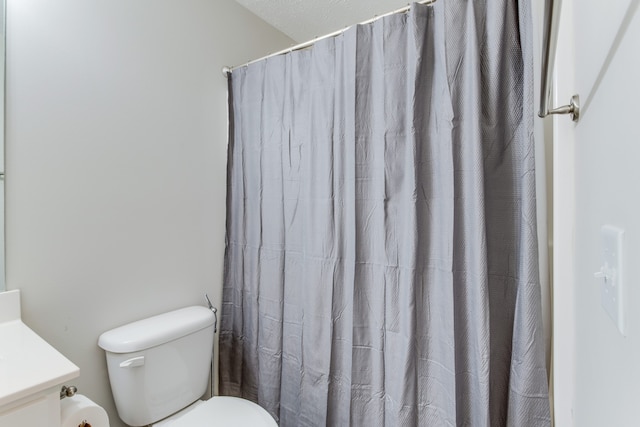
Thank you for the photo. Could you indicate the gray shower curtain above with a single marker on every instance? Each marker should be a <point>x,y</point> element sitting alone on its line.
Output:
<point>381,262</point>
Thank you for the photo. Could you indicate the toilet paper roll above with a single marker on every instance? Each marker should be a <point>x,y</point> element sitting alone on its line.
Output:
<point>80,411</point>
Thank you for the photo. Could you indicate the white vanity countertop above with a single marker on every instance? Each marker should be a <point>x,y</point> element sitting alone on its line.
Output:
<point>28,364</point>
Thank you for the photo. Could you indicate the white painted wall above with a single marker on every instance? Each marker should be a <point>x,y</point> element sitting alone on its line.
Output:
<point>598,374</point>
<point>116,156</point>
<point>563,365</point>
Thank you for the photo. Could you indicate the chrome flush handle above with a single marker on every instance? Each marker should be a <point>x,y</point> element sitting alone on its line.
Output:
<point>215,313</point>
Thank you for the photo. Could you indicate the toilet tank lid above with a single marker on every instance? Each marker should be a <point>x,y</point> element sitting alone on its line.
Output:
<point>156,330</point>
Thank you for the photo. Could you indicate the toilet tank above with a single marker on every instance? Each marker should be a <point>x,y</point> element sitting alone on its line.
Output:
<point>159,365</point>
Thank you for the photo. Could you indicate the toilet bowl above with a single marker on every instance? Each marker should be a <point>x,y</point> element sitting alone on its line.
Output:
<point>159,368</point>
<point>225,410</point>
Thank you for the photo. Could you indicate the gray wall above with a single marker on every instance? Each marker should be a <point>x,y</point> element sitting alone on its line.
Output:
<point>116,155</point>
<point>607,151</point>
<point>596,176</point>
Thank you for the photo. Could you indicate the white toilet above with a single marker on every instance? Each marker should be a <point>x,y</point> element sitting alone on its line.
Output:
<point>159,367</point>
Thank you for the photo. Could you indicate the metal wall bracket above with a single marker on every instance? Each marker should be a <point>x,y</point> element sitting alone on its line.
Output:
<point>68,391</point>
<point>573,109</point>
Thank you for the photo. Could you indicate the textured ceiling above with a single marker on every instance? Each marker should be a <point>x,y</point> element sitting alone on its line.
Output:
<point>304,20</point>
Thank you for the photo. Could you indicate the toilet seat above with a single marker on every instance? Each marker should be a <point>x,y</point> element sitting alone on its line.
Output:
<point>222,411</point>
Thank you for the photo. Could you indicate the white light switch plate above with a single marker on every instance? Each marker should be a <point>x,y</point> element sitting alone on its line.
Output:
<point>611,275</point>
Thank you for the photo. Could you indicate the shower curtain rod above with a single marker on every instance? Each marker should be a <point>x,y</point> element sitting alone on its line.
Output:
<point>549,42</point>
<point>228,70</point>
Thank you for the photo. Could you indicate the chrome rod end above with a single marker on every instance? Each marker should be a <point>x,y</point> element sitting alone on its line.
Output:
<point>573,109</point>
